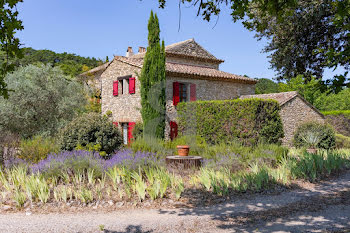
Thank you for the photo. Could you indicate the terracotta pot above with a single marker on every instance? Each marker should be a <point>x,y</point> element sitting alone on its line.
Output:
<point>311,150</point>
<point>183,150</point>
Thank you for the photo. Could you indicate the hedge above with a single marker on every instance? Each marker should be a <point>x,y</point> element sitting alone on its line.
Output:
<point>250,120</point>
<point>346,113</point>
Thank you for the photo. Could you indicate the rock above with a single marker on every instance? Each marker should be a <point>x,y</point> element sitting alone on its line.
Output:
<point>120,204</point>
<point>110,202</point>
<point>171,201</point>
<point>6,207</point>
<point>28,213</point>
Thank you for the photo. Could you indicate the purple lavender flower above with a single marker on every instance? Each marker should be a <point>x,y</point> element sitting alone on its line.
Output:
<point>130,159</point>
<point>13,162</point>
<point>70,161</point>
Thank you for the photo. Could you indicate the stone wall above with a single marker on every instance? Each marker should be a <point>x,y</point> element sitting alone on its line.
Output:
<point>293,114</point>
<point>125,107</point>
<point>205,90</point>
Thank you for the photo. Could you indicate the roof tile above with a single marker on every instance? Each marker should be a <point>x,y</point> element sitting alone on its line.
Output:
<point>191,70</point>
<point>281,98</point>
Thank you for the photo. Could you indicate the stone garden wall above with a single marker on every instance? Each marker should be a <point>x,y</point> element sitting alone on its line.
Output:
<point>293,114</point>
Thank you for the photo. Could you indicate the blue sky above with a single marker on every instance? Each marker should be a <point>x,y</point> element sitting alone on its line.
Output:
<point>107,27</point>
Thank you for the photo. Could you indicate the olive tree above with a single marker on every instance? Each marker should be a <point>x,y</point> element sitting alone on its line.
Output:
<point>42,100</point>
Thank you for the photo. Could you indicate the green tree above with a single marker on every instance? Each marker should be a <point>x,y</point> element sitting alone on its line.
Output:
<point>44,99</point>
<point>305,41</point>
<point>71,64</point>
<point>152,80</point>
<point>265,86</point>
<point>334,101</point>
<point>310,90</point>
<point>304,37</point>
<point>9,43</point>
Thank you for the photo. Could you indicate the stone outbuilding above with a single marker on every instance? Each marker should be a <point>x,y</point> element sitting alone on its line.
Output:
<point>295,110</point>
<point>192,73</point>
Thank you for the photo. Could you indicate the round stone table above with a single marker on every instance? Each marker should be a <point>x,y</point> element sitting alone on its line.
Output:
<point>183,162</point>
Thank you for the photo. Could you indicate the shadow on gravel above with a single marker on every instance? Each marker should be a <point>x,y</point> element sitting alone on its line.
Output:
<point>326,207</point>
<point>130,229</point>
<point>330,213</point>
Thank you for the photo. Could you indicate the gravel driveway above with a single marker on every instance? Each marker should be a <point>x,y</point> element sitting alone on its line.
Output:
<point>321,208</point>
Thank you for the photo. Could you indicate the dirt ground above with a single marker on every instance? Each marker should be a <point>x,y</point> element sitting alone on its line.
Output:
<point>324,207</point>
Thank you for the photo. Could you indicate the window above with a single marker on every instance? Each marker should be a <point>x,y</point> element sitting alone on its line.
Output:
<point>124,85</point>
<point>121,86</point>
<point>183,92</point>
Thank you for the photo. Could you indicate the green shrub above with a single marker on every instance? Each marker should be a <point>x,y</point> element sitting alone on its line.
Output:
<point>314,135</point>
<point>138,130</point>
<point>250,121</point>
<point>197,144</point>
<point>36,149</point>
<point>315,166</point>
<point>342,141</point>
<point>89,130</point>
<point>346,113</point>
<point>150,144</point>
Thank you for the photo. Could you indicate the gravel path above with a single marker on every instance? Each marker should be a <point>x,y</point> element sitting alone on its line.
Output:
<point>321,208</point>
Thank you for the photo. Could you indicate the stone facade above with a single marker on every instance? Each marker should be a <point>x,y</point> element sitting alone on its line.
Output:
<point>294,113</point>
<point>125,107</point>
<point>186,63</point>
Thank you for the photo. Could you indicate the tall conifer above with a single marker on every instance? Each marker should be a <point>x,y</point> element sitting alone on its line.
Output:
<point>152,80</point>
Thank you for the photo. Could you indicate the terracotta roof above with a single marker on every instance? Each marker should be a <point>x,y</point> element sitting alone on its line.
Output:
<point>187,48</point>
<point>281,98</point>
<point>191,71</point>
<point>102,68</point>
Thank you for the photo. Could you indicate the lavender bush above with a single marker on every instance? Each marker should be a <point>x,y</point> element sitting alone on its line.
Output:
<point>72,161</point>
<point>69,162</point>
<point>132,160</point>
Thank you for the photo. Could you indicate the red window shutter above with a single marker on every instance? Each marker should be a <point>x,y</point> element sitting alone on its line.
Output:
<point>193,95</point>
<point>176,93</point>
<point>173,130</point>
<point>130,130</point>
<point>115,123</point>
<point>132,86</point>
<point>115,88</point>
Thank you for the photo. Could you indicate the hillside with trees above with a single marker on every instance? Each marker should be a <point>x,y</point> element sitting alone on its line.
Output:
<point>71,64</point>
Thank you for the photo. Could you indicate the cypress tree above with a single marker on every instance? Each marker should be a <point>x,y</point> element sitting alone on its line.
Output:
<point>152,80</point>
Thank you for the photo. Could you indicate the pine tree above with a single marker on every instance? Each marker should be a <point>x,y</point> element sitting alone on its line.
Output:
<point>152,80</point>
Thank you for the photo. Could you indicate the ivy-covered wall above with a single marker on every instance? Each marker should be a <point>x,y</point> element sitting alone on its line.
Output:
<point>250,121</point>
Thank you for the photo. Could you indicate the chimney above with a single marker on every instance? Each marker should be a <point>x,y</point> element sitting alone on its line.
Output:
<point>129,52</point>
<point>142,49</point>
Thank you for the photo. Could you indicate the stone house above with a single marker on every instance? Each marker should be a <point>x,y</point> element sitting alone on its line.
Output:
<point>295,110</point>
<point>192,73</point>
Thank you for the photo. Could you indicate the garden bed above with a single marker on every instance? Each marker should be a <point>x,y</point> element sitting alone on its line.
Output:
<point>82,181</point>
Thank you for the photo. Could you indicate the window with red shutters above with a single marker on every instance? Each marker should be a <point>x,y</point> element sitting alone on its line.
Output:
<point>132,86</point>
<point>176,93</point>
<point>131,127</point>
<point>173,130</point>
<point>193,95</point>
<point>115,88</point>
